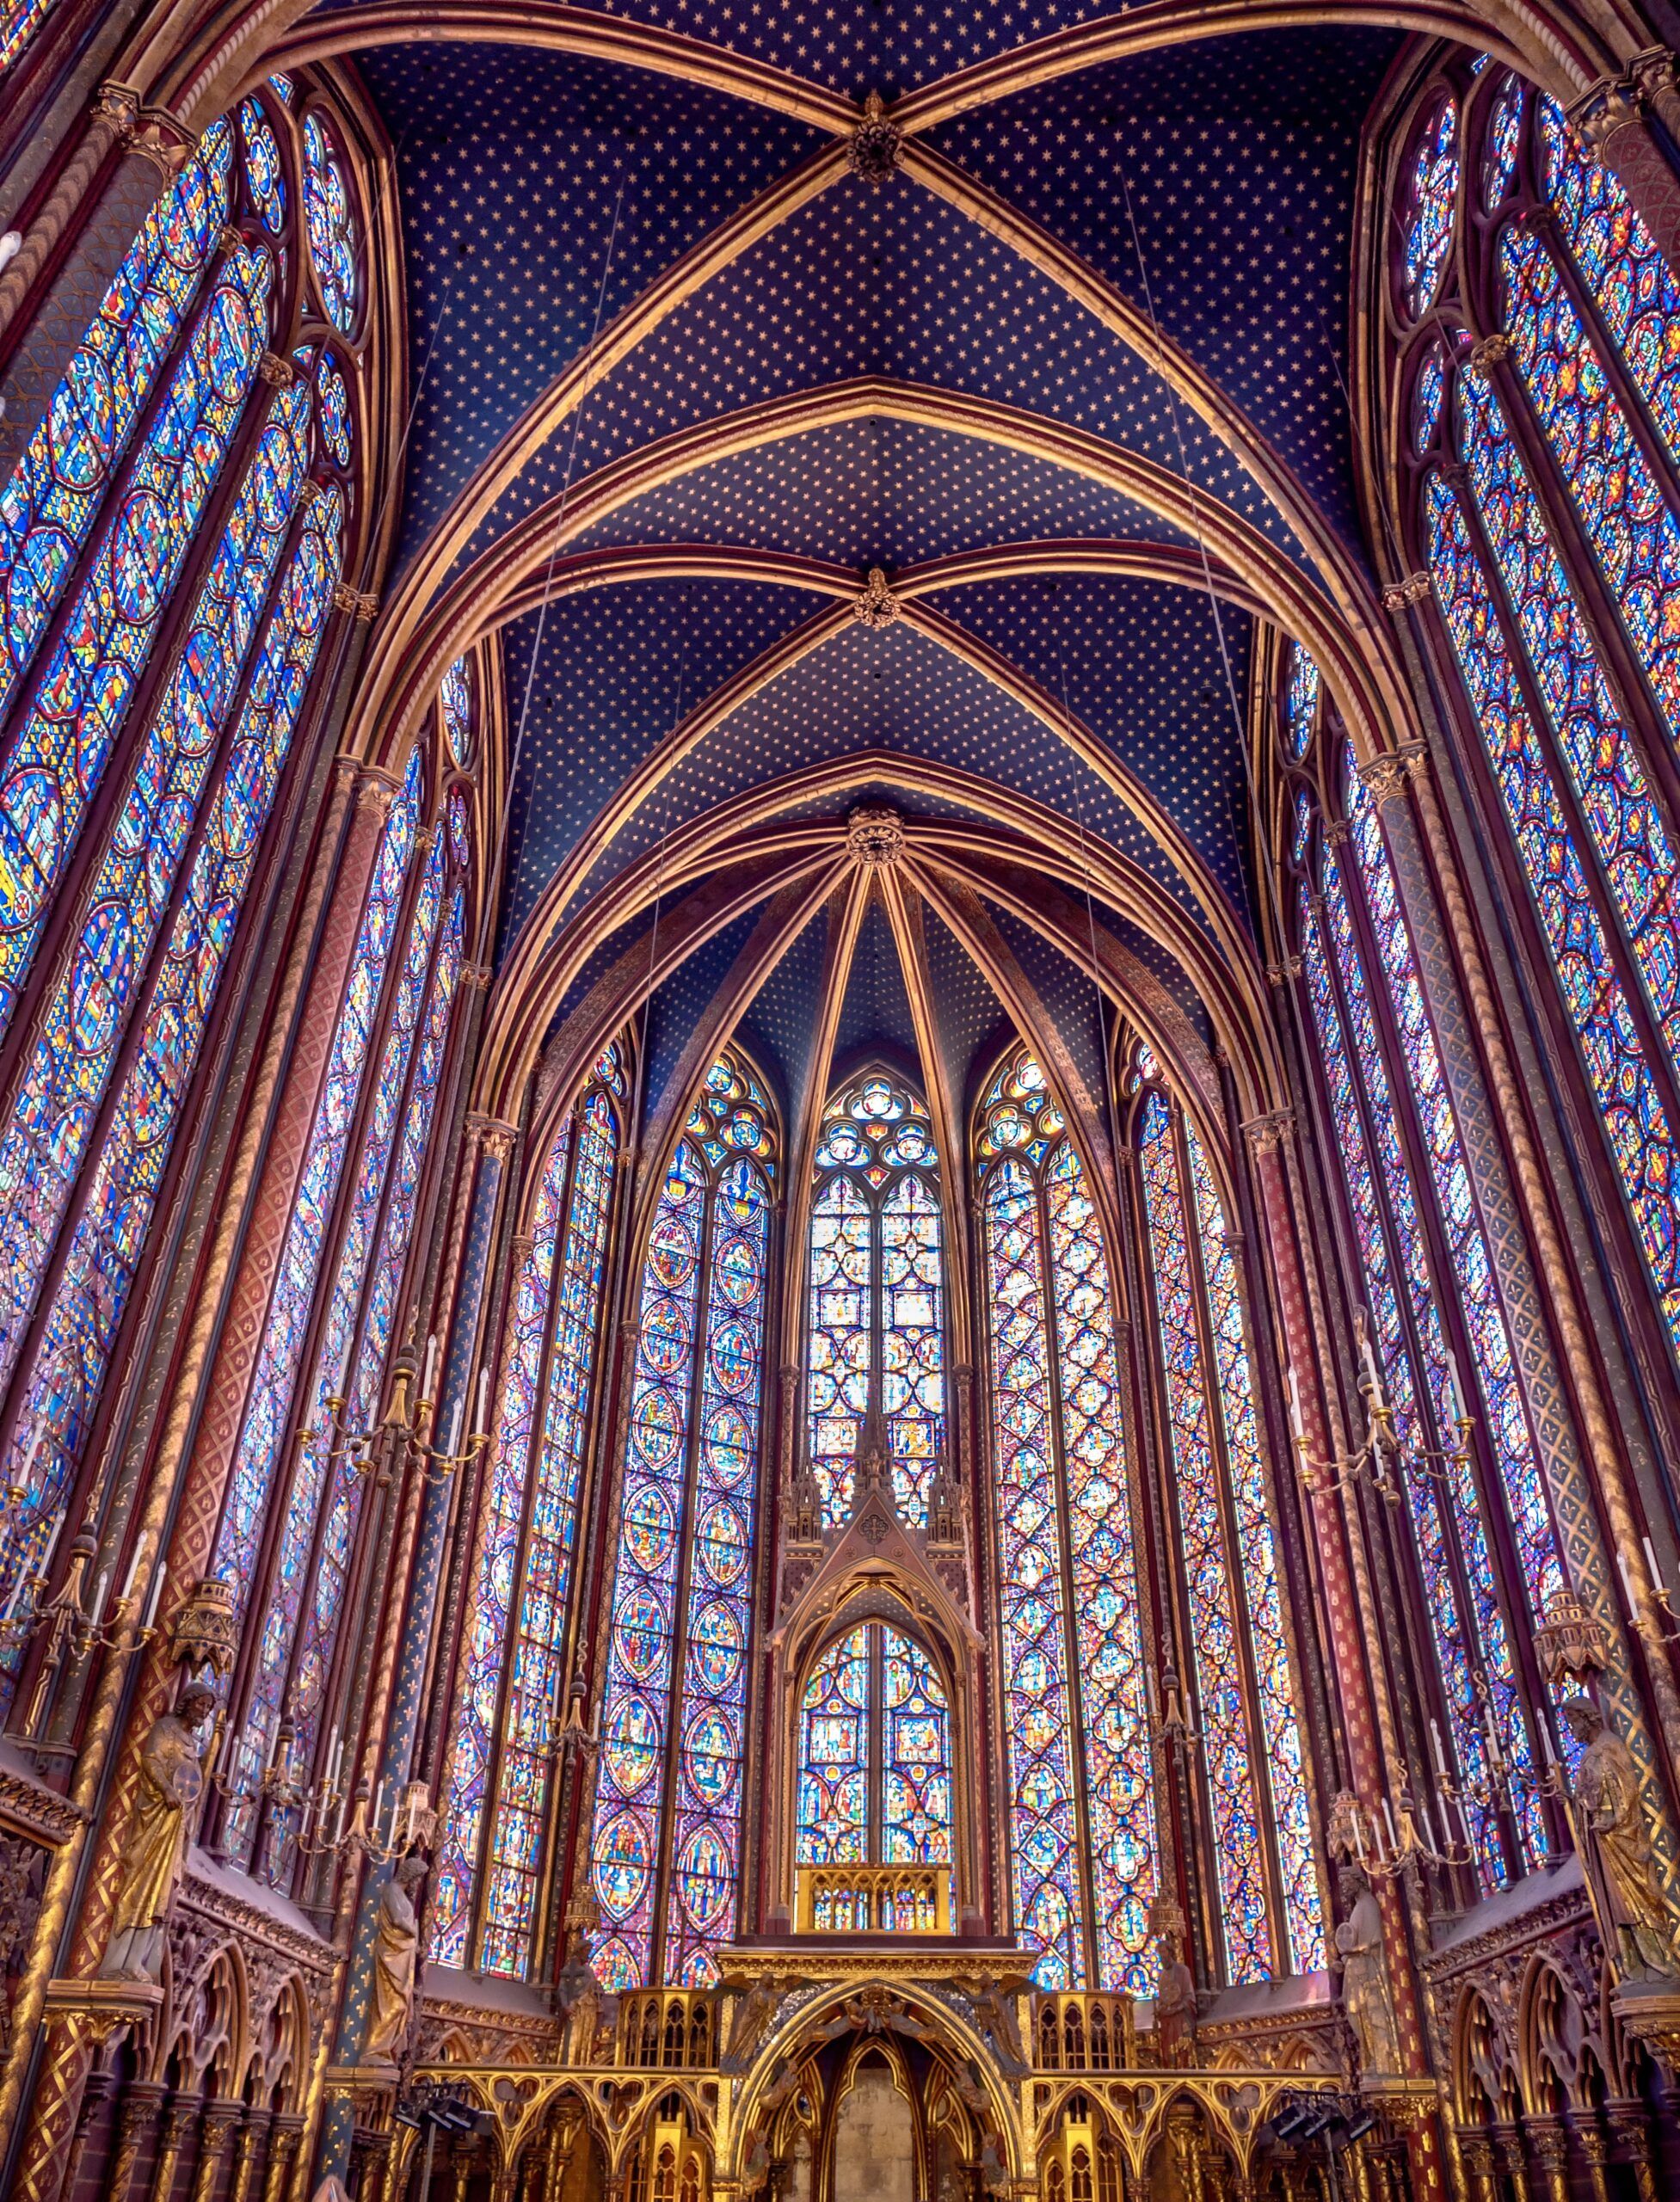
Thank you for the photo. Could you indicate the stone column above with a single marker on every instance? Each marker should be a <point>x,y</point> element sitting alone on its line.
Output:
<point>171,2141</point>
<point>1550,2146</point>
<point>250,2149</point>
<point>221,2119</point>
<point>282,2149</point>
<point>1609,119</point>
<point>1513,2159</point>
<point>1475,2151</point>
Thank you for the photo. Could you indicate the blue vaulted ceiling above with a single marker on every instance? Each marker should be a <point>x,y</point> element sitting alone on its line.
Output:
<point>1210,183</point>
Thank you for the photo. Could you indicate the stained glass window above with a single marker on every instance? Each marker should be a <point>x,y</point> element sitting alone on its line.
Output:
<point>456,703</point>
<point>1301,699</point>
<point>1432,200</point>
<point>666,1839</point>
<point>1243,1694</point>
<point>19,21</point>
<point>1082,1820</point>
<point>875,1768</point>
<point>876,1292</point>
<point>1590,312</point>
<point>330,220</point>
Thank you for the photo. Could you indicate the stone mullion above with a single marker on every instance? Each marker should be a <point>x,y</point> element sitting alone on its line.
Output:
<point>185,1517</point>
<point>1572,1492</point>
<point>1219,1436</point>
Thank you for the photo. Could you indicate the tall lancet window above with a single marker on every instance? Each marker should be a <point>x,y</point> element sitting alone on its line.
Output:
<point>1082,1815</point>
<point>667,1840</point>
<point>876,1291</point>
<point>170,546</point>
<point>296,1489</point>
<point>1545,471</point>
<point>495,1848</point>
<point>1242,1693</point>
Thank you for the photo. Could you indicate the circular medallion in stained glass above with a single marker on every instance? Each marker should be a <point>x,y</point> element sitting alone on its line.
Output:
<point>729,1441</point>
<point>733,1353</point>
<point>460,837</point>
<point>705,1878</point>
<point>656,1425</point>
<point>1504,132</point>
<point>329,218</point>
<point>262,167</point>
<point>649,1534</point>
<point>633,1738</point>
<point>737,1267</point>
<point>624,1865</point>
<point>667,1331</point>
<point>640,1632</point>
<point>721,1549</point>
<point>232,342</point>
<point>715,1645</point>
<point>711,1756</point>
<point>335,401</point>
<point>1432,199</point>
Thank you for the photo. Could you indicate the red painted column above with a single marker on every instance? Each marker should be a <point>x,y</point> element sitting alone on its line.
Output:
<point>1366,1720</point>
<point>316,973</point>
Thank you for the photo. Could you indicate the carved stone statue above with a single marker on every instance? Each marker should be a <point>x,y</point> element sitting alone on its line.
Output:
<point>1620,1865</point>
<point>752,2013</point>
<point>394,1954</point>
<point>1176,2008</point>
<point>171,1782</point>
<point>1365,1993</point>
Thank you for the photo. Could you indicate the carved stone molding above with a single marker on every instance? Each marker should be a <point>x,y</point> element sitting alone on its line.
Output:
<point>153,132</point>
<point>496,1137</point>
<point>1400,596</point>
<point>376,792</point>
<point>1279,975</point>
<point>278,373</point>
<point>1603,112</point>
<point>1387,775</point>
<point>362,608</point>
<point>1267,1133</point>
<point>1490,351</point>
<point>31,1809</point>
<point>873,152</point>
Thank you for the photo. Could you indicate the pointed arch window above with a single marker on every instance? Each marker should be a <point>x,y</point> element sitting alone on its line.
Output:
<point>874,1754</point>
<point>509,1709</point>
<point>1546,478</point>
<point>1243,1696</point>
<point>173,402</point>
<point>1083,1836</point>
<point>296,1486</point>
<point>876,1291</point>
<point>666,1856</point>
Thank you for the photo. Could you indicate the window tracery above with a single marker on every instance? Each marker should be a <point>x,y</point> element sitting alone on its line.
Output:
<point>876,1291</point>
<point>508,1712</point>
<point>102,530</point>
<point>1083,1831</point>
<point>667,1833</point>
<point>1271,1903</point>
<point>875,1755</point>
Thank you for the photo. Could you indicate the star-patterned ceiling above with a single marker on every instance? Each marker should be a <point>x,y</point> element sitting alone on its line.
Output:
<point>940,400</point>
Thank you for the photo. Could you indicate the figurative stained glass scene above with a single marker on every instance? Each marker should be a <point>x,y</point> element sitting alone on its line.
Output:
<point>840,1104</point>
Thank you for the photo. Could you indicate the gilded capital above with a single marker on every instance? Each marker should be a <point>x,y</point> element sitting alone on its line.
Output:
<point>875,144</point>
<point>1489,350</point>
<point>376,792</point>
<point>361,606</point>
<point>875,833</point>
<point>1401,595</point>
<point>278,373</point>
<point>496,1138</point>
<point>1266,1134</point>
<point>1387,775</point>
<point>1603,112</point>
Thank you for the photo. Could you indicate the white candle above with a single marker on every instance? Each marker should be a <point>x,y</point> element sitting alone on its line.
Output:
<point>1651,1562</point>
<point>1296,1429</point>
<point>1628,1589</point>
<point>1464,1821</point>
<point>1373,1375</point>
<point>1495,1757</point>
<point>1546,1751</point>
<point>1359,1833</point>
<point>338,1832</point>
<point>454,1445</point>
<point>308,1814</point>
<point>483,1401</point>
<point>1455,1390</point>
<point>1440,1755</point>
<point>431,1365</point>
<point>332,1756</point>
<point>1423,1821</point>
<point>98,1606</point>
<point>128,1579</point>
<point>1389,1819</point>
<point>157,1582</point>
<point>378,1802</point>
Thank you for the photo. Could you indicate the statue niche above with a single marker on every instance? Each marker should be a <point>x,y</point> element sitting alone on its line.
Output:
<point>873,1664</point>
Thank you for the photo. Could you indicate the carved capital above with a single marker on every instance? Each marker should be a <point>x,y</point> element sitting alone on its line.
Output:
<point>1652,74</point>
<point>375,792</point>
<point>277,372</point>
<point>477,976</point>
<point>1266,1134</point>
<point>523,1242</point>
<point>362,608</point>
<point>1400,596</point>
<point>1279,975</point>
<point>495,1137</point>
<point>153,132</point>
<point>1489,350</point>
<point>1384,776</point>
<point>1602,113</point>
<point>1337,832</point>
<point>875,144</point>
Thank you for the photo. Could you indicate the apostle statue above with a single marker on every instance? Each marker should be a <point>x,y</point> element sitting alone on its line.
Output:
<point>395,1952</point>
<point>1365,1994</point>
<point>171,1782</point>
<point>1619,1863</point>
<point>1175,2010</point>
